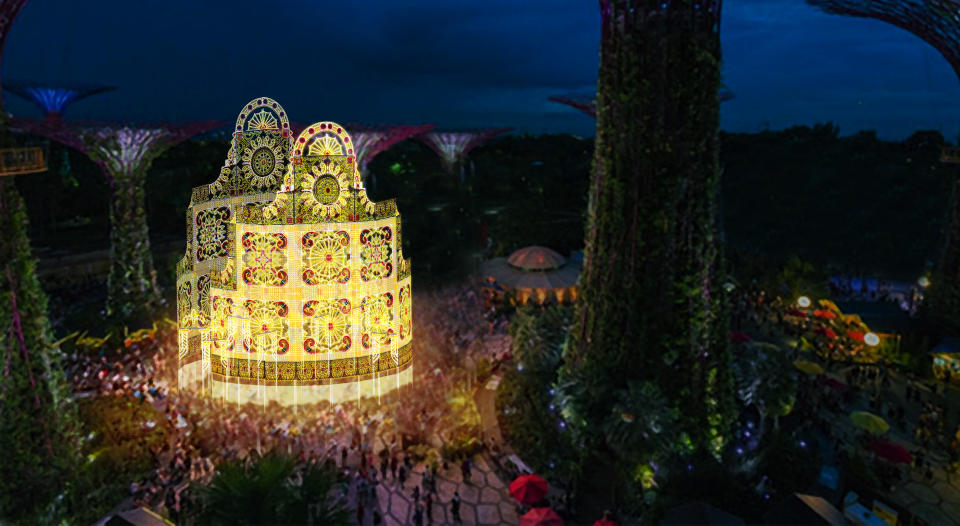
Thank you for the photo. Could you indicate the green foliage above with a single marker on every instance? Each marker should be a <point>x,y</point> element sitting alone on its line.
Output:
<point>265,493</point>
<point>37,418</point>
<point>765,377</point>
<point>117,452</point>
<point>642,423</point>
<point>523,398</point>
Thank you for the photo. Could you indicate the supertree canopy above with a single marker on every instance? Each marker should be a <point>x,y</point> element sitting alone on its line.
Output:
<point>587,103</point>
<point>53,100</point>
<point>453,147</point>
<point>934,21</point>
<point>293,287</point>
<point>125,154</point>
<point>368,142</point>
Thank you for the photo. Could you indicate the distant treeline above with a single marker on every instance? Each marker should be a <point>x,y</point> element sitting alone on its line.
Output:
<point>849,204</point>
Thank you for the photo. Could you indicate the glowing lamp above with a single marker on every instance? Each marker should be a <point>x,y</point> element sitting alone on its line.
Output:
<point>923,281</point>
<point>871,339</point>
<point>294,288</point>
<point>803,302</point>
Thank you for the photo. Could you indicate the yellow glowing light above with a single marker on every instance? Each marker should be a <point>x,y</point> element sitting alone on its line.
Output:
<point>293,288</point>
<point>803,302</point>
<point>871,339</point>
<point>923,281</point>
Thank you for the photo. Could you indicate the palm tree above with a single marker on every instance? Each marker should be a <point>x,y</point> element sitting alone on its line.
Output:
<point>266,493</point>
<point>765,379</point>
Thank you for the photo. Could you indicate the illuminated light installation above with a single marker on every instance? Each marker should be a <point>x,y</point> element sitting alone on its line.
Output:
<point>294,287</point>
<point>588,103</point>
<point>53,101</point>
<point>124,154</point>
<point>453,147</point>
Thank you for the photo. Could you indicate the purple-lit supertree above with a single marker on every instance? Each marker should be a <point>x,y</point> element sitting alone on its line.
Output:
<point>53,100</point>
<point>370,141</point>
<point>936,22</point>
<point>588,104</point>
<point>125,154</point>
<point>453,147</point>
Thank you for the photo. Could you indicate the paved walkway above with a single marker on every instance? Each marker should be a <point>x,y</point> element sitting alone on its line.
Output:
<point>485,499</point>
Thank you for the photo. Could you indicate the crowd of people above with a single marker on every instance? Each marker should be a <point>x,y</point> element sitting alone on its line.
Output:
<point>913,407</point>
<point>450,326</point>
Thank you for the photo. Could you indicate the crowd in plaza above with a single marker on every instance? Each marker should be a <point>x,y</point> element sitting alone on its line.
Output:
<point>857,378</point>
<point>367,442</point>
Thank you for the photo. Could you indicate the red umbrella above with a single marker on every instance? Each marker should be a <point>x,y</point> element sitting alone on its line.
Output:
<point>891,452</point>
<point>528,489</point>
<point>828,314</point>
<point>604,522</point>
<point>541,517</point>
<point>797,312</point>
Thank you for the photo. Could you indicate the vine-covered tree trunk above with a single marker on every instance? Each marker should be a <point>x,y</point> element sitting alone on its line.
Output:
<point>36,426</point>
<point>651,304</point>
<point>132,291</point>
<point>942,304</point>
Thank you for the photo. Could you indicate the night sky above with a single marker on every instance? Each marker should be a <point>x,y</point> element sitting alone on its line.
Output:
<point>458,63</point>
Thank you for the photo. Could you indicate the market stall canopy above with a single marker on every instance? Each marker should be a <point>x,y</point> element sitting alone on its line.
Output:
<point>528,489</point>
<point>869,422</point>
<point>541,517</point>
<point>808,367</point>
<point>891,451</point>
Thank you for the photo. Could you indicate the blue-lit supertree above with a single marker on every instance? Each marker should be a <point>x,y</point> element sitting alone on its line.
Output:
<point>53,100</point>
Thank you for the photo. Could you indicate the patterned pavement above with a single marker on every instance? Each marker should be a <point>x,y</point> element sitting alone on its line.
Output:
<point>484,500</point>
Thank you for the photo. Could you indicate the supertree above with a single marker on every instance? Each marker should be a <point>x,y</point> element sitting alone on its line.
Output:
<point>587,103</point>
<point>935,22</point>
<point>646,368</point>
<point>37,433</point>
<point>53,100</point>
<point>124,153</point>
<point>370,141</point>
<point>453,147</point>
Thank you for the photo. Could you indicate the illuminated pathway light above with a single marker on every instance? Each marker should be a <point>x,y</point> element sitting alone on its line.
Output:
<point>803,302</point>
<point>294,287</point>
<point>871,339</point>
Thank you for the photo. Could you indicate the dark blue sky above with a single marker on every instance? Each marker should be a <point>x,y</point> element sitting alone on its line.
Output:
<point>459,63</point>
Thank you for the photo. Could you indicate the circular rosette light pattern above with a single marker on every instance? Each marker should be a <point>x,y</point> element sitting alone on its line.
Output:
<point>263,162</point>
<point>327,184</point>
<point>326,257</point>
<point>377,320</point>
<point>327,326</point>
<point>268,327</point>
